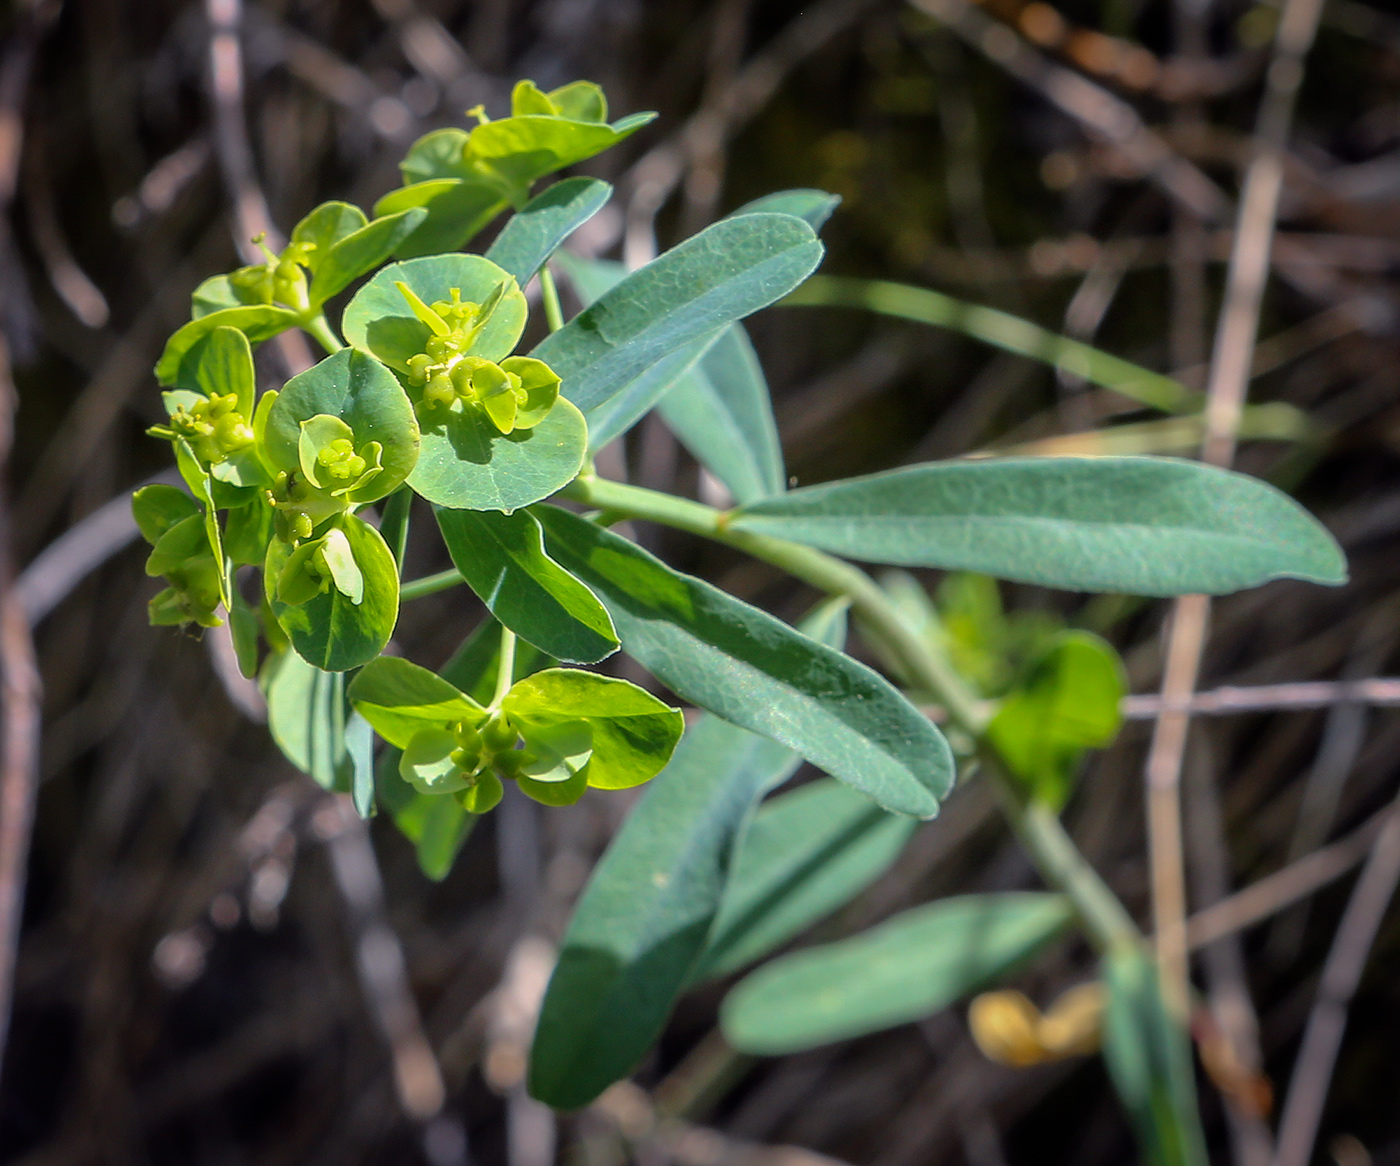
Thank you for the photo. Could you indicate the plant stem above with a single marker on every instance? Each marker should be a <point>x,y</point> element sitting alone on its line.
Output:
<point>505,672</point>
<point>900,648</point>
<point>430,585</point>
<point>549,292</point>
<point>320,328</point>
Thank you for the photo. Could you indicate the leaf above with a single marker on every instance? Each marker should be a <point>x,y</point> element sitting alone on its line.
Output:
<point>1070,703</point>
<point>650,902</point>
<point>621,411</point>
<point>722,412</point>
<point>535,232</point>
<point>379,320</point>
<point>306,716</point>
<point>400,698</point>
<point>812,206</point>
<point>438,154</point>
<point>329,630</point>
<point>243,630</point>
<point>436,824</point>
<point>350,256</point>
<point>1144,526</point>
<point>359,749</point>
<point>247,531</point>
<point>221,362</point>
<point>591,278</point>
<point>525,149</point>
<point>457,209</point>
<point>1001,330</point>
<point>217,293</point>
<point>157,508</point>
<point>758,673</point>
<point>502,558</point>
<point>181,541</point>
<point>1149,1061</point>
<point>727,271</point>
<point>633,733</point>
<point>805,854</point>
<point>325,226</point>
<point>466,463</point>
<point>258,322</point>
<point>363,394</point>
<point>907,968</point>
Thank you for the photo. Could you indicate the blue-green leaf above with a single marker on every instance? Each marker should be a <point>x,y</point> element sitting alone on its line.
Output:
<point>362,250</point>
<point>620,412</point>
<point>722,412</point>
<point>306,717</point>
<point>903,970</point>
<point>812,206</point>
<point>1143,526</point>
<point>724,273</point>
<point>757,672</point>
<point>258,322</point>
<point>502,558</point>
<point>457,209</point>
<point>805,854</point>
<point>535,232</point>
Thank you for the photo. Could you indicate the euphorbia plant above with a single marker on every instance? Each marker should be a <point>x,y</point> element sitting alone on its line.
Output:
<point>423,391</point>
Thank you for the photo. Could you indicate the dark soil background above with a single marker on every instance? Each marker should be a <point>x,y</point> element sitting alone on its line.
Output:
<point>209,970</point>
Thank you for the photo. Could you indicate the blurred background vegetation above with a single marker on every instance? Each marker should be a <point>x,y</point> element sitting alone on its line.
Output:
<point>216,966</point>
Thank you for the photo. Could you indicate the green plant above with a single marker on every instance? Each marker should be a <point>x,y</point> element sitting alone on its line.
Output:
<point>421,392</point>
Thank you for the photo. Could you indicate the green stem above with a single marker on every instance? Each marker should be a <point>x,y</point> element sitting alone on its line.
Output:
<point>903,650</point>
<point>549,292</point>
<point>505,672</point>
<point>320,328</point>
<point>393,524</point>
<point>430,585</point>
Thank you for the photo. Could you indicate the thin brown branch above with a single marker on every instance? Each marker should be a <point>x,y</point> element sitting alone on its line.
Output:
<point>1306,694</point>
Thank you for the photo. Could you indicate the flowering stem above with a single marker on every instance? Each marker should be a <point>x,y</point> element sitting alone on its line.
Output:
<point>505,673</point>
<point>320,328</point>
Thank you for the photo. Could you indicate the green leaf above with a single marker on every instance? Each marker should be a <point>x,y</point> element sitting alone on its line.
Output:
<point>217,293</point>
<point>591,278</point>
<point>1144,526</point>
<point>722,412</point>
<point>180,542</point>
<point>805,854</point>
<point>438,154</point>
<point>400,699</point>
<point>1001,330</point>
<point>436,824</point>
<point>157,508</point>
<point>633,733</point>
<point>325,226</point>
<point>525,149</point>
<point>380,321</point>
<point>457,209</point>
<point>907,968</point>
<point>1069,703</point>
<point>360,251</point>
<point>243,629</point>
<point>758,673</point>
<point>1149,1061</point>
<point>620,412</point>
<point>727,271</point>
<point>535,232</point>
<point>247,531</point>
<point>359,749</point>
<point>812,206</point>
<point>363,394</point>
<point>650,902</point>
<point>221,362</point>
<point>466,463</point>
<point>306,716</point>
<point>502,558</point>
<point>258,322</point>
<point>330,630</point>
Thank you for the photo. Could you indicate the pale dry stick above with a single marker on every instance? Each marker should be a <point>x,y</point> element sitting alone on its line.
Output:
<point>20,683</point>
<point>1322,1039</point>
<point>1236,333</point>
<point>655,176</point>
<point>251,217</point>
<point>1263,698</point>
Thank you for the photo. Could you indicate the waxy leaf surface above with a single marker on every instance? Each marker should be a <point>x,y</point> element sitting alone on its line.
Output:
<point>535,231</point>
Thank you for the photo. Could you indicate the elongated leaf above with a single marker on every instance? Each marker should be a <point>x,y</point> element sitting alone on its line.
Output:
<point>534,232</point>
<point>306,717</point>
<point>524,149</point>
<point>400,698</point>
<point>466,463</point>
<point>724,273</point>
<point>620,412</point>
<point>350,256</point>
<point>457,209</point>
<point>591,278</point>
<point>805,854</point>
<point>650,902</point>
<point>1001,330</point>
<point>364,394</point>
<point>812,206</point>
<point>502,558</point>
<point>721,411</point>
<point>329,630</point>
<point>1149,1061</point>
<point>359,749</point>
<point>758,673</point>
<point>905,969</point>
<point>1144,526</point>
